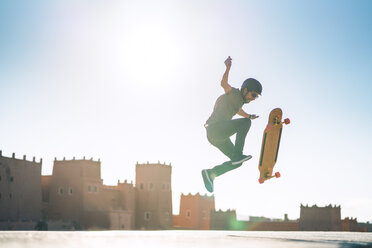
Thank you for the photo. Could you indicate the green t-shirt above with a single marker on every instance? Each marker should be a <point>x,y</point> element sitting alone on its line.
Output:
<point>227,106</point>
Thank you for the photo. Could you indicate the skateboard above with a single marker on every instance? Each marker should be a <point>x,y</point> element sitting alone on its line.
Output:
<point>270,145</point>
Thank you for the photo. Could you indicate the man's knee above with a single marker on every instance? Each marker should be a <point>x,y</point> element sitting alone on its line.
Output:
<point>246,124</point>
<point>247,121</point>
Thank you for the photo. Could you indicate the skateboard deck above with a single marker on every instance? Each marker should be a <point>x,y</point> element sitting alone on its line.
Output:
<point>270,145</point>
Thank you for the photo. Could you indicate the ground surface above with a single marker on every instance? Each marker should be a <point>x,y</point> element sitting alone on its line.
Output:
<point>182,239</point>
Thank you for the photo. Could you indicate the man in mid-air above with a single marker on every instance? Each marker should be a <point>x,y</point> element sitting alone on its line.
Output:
<point>220,126</point>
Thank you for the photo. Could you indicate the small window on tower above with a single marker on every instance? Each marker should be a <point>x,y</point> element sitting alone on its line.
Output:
<point>12,179</point>
<point>95,189</point>
<point>70,191</point>
<point>163,186</point>
<point>188,214</point>
<point>141,186</point>
<point>60,191</point>
<point>89,188</point>
<point>151,186</point>
<point>147,215</point>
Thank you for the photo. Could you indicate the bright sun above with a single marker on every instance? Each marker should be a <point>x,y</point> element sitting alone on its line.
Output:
<point>149,54</point>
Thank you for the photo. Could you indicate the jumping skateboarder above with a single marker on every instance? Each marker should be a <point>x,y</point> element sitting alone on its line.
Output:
<point>220,126</point>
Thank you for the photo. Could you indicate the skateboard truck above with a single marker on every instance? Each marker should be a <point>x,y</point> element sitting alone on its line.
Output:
<point>276,122</point>
<point>262,180</point>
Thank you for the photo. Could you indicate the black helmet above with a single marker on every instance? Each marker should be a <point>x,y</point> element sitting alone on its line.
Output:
<point>251,84</point>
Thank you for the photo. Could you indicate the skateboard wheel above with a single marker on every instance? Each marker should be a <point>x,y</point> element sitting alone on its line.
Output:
<point>277,174</point>
<point>287,121</point>
<point>261,180</point>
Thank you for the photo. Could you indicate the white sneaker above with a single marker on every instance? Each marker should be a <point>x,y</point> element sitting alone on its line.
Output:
<point>208,181</point>
<point>242,158</point>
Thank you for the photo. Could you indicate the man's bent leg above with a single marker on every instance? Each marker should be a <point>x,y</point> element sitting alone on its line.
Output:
<point>210,174</point>
<point>226,147</point>
<point>223,168</point>
<point>241,134</point>
<point>219,135</point>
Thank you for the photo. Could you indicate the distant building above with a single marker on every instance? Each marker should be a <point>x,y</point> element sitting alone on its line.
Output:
<point>194,212</point>
<point>75,193</point>
<point>20,193</point>
<point>320,218</point>
<point>350,225</point>
<point>365,227</point>
<point>45,188</point>
<point>153,196</point>
<point>75,198</point>
<point>224,220</point>
<point>272,226</point>
<point>258,219</point>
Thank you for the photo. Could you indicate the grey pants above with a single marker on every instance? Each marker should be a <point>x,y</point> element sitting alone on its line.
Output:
<point>219,134</point>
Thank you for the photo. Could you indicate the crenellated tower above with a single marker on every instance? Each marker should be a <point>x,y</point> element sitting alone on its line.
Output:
<point>223,220</point>
<point>20,189</point>
<point>316,218</point>
<point>154,196</point>
<point>195,212</point>
<point>74,189</point>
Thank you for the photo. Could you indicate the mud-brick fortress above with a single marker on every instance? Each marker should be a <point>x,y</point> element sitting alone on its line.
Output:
<point>75,198</point>
<point>20,190</point>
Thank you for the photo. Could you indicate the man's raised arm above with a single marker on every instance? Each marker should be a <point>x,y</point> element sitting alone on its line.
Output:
<point>224,82</point>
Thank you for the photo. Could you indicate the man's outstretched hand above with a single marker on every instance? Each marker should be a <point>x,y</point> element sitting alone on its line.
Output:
<point>228,62</point>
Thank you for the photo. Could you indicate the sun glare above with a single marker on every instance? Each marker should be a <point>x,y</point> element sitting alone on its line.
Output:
<point>149,55</point>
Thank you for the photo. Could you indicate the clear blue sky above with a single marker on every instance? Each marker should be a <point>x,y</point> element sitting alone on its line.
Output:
<point>129,81</point>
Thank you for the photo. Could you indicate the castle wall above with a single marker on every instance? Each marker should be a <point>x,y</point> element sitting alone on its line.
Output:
<point>365,227</point>
<point>153,196</point>
<point>271,226</point>
<point>350,225</point>
<point>223,220</point>
<point>74,189</point>
<point>320,218</point>
<point>195,212</point>
<point>120,220</point>
<point>20,189</point>
<point>128,203</point>
<point>77,195</point>
<point>45,188</point>
<point>226,220</point>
